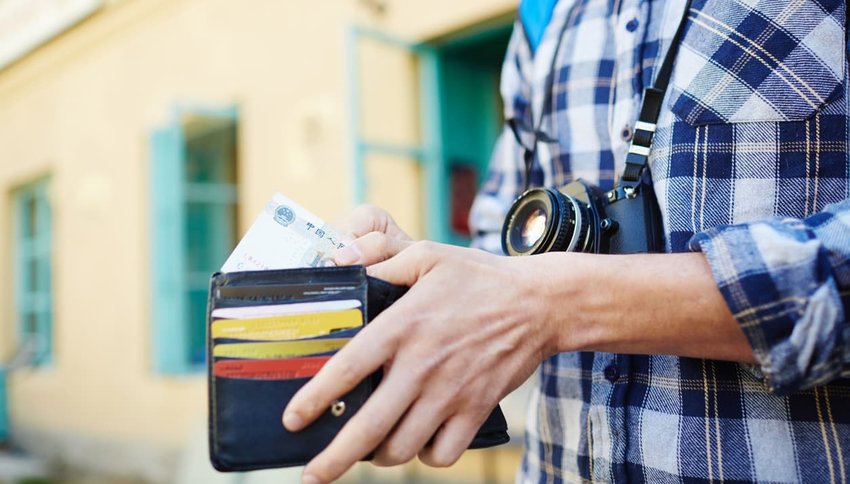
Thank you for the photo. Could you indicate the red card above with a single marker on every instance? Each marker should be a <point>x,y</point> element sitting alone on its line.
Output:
<point>280,369</point>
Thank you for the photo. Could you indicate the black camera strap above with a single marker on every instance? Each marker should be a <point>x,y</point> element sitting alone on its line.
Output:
<point>650,109</point>
<point>536,131</point>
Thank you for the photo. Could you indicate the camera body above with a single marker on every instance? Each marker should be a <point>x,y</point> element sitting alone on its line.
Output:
<point>580,217</point>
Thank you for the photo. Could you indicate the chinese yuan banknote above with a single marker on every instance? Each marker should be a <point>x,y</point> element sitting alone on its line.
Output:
<point>285,235</point>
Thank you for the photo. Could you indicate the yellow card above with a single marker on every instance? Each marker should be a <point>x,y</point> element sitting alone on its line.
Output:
<point>282,349</point>
<point>294,326</point>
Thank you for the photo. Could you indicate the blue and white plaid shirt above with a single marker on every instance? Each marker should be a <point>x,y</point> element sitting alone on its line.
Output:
<point>750,165</point>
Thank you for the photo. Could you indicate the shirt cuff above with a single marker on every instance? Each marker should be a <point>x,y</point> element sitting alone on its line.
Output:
<point>777,281</point>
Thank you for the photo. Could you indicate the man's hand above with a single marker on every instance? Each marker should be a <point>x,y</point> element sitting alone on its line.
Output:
<point>463,337</point>
<point>377,237</point>
<point>474,326</point>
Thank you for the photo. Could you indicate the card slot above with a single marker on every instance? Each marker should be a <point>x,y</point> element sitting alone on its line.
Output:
<point>297,325</point>
<point>278,349</point>
<point>286,290</point>
<point>358,293</point>
<point>272,357</point>
<point>216,359</point>
<point>274,369</point>
<point>341,333</point>
<point>306,275</point>
<point>280,310</point>
<point>247,429</point>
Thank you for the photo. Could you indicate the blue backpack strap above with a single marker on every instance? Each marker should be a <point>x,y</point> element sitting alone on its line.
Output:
<point>535,16</point>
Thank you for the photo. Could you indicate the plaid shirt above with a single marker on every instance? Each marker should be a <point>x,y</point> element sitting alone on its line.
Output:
<point>750,166</point>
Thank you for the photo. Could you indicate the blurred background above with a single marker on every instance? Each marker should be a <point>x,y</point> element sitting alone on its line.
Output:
<point>138,141</point>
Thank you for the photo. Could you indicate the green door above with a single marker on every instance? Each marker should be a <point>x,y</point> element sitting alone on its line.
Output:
<point>470,121</point>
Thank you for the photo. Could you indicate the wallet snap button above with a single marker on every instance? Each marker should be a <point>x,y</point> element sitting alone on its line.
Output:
<point>338,408</point>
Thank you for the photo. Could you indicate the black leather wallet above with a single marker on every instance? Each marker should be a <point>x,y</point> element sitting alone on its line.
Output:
<point>245,413</point>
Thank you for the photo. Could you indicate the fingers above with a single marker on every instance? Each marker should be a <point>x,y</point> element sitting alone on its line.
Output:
<point>369,249</point>
<point>358,359</point>
<point>412,434</point>
<point>451,440</point>
<point>364,219</point>
<point>369,218</point>
<point>366,429</point>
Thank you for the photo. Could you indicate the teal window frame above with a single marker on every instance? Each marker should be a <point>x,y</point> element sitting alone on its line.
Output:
<point>33,268</point>
<point>4,407</point>
<point>173,278</point>
<point>440,147</point>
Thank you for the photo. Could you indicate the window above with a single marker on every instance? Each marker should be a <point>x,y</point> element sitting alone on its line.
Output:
<point>194,165</point>
<point>33,270</point>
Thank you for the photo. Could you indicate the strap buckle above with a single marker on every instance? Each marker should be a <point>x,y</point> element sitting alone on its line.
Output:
<point>641,144</point>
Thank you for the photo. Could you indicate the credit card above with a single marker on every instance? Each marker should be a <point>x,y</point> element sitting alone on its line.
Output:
<point>245,312</point>
<point>281,349</point>
<point>281,369</point>
<point>295,326</point>
<point>340,334</point>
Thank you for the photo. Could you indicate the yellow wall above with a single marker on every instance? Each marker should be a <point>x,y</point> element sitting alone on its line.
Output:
<point>81,109</point>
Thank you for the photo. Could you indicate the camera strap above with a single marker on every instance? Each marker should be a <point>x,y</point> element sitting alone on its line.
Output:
<point>650,109</point>
<point>536,131</point>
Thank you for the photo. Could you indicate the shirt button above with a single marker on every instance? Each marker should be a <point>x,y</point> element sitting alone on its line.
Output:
<point>612,374</point>
<point>632,25</point>
<point>626,133</point>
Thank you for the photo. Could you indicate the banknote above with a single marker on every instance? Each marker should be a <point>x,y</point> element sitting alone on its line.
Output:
<point>285,235</point>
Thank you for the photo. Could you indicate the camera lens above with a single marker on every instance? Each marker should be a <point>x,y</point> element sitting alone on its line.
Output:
<point>534,227</point>
<point>544,220</point>
<point>530,226</point>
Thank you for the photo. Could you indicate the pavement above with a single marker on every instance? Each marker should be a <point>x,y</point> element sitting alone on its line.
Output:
<point>16,467</point>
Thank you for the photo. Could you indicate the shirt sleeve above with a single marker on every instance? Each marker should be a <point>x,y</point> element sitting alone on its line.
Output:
<point>505,174</point>
<point>496,195</point>
<point>787,282</point>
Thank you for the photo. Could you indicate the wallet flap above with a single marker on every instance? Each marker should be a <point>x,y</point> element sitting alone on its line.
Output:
<point>381,295</point>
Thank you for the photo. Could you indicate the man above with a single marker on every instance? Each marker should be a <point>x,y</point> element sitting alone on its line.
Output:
<point>722,360</point>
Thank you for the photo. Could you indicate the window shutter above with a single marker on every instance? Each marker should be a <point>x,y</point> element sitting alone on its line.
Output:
<point>4,415</point>
<point>170,338</point>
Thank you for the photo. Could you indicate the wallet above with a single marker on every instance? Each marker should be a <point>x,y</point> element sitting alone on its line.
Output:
<point>268,333</point>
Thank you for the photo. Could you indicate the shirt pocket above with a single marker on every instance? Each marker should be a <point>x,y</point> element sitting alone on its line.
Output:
<point>752,61</point>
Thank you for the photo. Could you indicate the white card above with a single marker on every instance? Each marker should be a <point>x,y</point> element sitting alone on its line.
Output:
<point>246,312</point>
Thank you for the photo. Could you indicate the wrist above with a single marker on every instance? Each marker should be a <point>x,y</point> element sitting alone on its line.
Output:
<point>568,290</point>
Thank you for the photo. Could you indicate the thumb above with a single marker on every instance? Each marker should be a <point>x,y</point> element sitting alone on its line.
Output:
<point>372,248</point>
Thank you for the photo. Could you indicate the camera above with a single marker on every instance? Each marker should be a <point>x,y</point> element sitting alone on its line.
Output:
<point>581,217</point>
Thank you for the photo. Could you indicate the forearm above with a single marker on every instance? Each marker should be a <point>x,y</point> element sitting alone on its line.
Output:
<point>638,304</point>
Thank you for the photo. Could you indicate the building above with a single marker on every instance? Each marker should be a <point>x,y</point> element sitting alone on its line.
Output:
<point>139,139</point>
